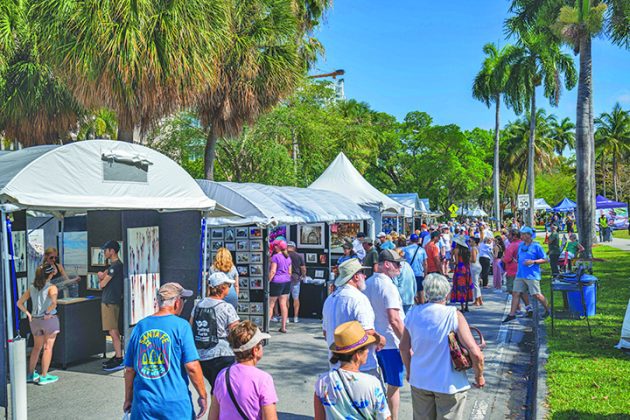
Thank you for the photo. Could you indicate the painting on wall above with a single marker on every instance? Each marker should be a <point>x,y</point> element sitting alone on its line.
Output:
<point>19,250</point>
<point>92,281</point>
<point>75,253</point>
<point>341,231</point>
<point>311,236</point>
<point>35,252</point>
<point>97,257</point>
<point>143,250</point>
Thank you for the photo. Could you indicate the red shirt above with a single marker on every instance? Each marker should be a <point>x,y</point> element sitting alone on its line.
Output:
<point>510,258</point>
<point>433,253</point>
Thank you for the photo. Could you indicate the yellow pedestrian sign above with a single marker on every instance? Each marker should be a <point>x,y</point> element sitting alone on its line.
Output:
<point>453,209</point>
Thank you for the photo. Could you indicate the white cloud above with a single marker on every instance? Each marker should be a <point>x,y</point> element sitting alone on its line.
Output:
<point>624,98</point>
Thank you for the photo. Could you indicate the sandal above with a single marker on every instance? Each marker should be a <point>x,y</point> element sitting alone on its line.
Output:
<point>282,331</point>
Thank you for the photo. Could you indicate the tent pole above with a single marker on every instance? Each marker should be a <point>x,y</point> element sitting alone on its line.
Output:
<point>61,252</point>
<point>205,255</point>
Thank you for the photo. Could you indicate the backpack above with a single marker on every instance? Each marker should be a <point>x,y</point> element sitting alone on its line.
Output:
<point>205,327</point>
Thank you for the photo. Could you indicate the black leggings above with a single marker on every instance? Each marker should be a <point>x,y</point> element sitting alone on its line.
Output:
<point>485,269</point>
<point>212,367</point>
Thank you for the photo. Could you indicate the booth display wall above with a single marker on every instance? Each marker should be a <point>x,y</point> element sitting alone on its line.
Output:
<point>4,351</point>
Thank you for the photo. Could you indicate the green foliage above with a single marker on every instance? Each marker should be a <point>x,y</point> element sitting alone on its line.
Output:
<point>557,183</point>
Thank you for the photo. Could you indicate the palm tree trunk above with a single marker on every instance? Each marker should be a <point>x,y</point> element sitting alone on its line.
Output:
<point>210,154</point>
<point>125,127</point>
<point>604,173</point>
<point>531,177</point>
<point>615,176</point>
<point>497,133</point>
<point>584,149</point>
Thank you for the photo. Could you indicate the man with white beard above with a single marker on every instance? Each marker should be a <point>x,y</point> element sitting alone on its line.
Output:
<point>348,303</point>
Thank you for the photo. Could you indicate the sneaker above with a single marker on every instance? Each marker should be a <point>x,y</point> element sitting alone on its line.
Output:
<point>113,365</point>
<point>509,318</point>
<point>275,319</point>
<point>108,361</point>
<point>296,320</point>
<point>48,379</point>
<point>530,314</point>
<point>33,378</point>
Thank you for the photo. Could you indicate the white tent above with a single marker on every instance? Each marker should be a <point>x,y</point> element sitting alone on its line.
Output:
<point>266,204</point>
<point>541,204</point>
<point>411,201</point>
<point>624,341</point>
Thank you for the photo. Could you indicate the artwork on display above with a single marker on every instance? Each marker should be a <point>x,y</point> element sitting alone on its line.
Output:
<point>256,245</point>
<point>92,281</point>
<point>216,234</point>
<point>230,235</point>
<point>256,283</point>
<point>231,246</point>
<point>323,259</point>
<point>22,286</point>
<point>278,231</point>
<point>242,245</point>
<point>19,250</point>
<point>243,270</point>
<point>97,257</point>
<point>243,282</point>
<point>243,295</point>
<point>311,236</point>
<point>256,308</point>
<point>75,257</point>
<point>255,232</point>
<point>242,257</point>
<point>256,258</point>
<point>256,270</point>
<point>258,320</point>
<point>319,274</point>
<point>242,233</point>
<point>143,250</point>
<point>216,245</point>
<point>242,307</point>
<point>311,258</point>
<point>34,252</point>
<point>341,231</point>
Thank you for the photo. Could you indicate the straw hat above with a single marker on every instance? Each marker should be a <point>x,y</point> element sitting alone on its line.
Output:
<point>460,240</point>
<point>349,337</point>
<point>347,269</point>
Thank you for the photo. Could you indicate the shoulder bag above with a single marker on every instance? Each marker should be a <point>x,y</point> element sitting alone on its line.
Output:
<point>345,388</point>
<point>232,397</point>
<point>460,356</point>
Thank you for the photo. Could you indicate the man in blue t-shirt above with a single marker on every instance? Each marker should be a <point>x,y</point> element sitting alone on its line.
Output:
<point>530,256</point>
<point>161,356</point>
<point>416,256</point>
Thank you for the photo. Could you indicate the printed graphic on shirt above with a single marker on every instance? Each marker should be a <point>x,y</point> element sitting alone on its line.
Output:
<point>154,354</point>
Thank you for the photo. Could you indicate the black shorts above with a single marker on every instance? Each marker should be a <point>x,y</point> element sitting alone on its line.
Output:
<point>419,280</point>
<point>212,367</point>
<point>279,289</point>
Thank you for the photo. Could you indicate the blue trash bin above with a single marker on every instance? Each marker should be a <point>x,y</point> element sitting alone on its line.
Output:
<point>590,299</point>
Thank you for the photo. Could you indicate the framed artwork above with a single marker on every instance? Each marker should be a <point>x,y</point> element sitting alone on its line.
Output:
<point>256,257</point>
<point>243,282</point>
<point>92,281</point>
<point>22,286</point>
<point>255,232</point>
<point>273,233</point>
<point>216,245</point>
<point>242,258</point>
<point>75,253</point>
<point>311,258</point>
<point>256,245</point>
<point>243,295</point>
<point>242,245</point>
<point>258,320</point>
<point>256,283</point>
<point>339,231</point>
<point>216,234</point>
<point>144,289</point>
<point>143,253</point>
<point>35,252</point>
<point>256,308</point>
<point>311,236</point>
<point>242,307</point>
<point>19,250</point>
<point>242,233</point>
<point>243,270</point>
<point>323,259</point>
<point>319,274</point>
<point>230,234</point>
<point>231,246</point>
<point>97,257</point>
<point>256,270</point>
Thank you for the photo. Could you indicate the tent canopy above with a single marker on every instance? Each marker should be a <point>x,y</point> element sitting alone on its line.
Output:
<point>343,178</point>
<point>602,202</point>
<point>98,175</point>
<point>265,204</point>
<point>565,205</point>
<point>541,204</point>
<point>410,201</point>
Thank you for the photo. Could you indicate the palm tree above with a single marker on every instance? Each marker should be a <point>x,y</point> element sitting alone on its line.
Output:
<point>141,59</point>
<point>563,133</point>
<point>612,139</point>
<point>260,66</point>
<point>576,22</point>
<point>534,62</point>
<point>488,86</point>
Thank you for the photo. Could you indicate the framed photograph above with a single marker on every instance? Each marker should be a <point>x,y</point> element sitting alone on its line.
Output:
<point>216,245</point>
<point>75,253</point>
<point>319,274</point>
<point>242,308</point>
<point>144,289</point>
<point>256,270</point>
<point>92,281</point>
<point>97,257</point>
<point>242,245</point>
<point>311,258</point>
<point>19,250</point>
<point>256,258</point>
<point>216,234</point>
<point>256,308</point>
<point>311,236</point>
<point>230,234</point>
<point>256,245</point>
<point>323,259</point>
<point>243,282</point>
<point>35,252</point>
<point>231,246</point>
<point>256,283</point>
<point>255,232</point>
<point>258,320</point>
<point>243,270</point>
<point>341,231</point>
<point>242,233</point>
<point>22,286</point>
<point>242,258</point>
<point>243,295</point>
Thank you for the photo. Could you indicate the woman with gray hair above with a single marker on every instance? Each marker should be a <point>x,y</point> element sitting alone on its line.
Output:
<point>437,389</point>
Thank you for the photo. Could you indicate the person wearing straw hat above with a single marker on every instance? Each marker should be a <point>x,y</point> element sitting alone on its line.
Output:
<point>347,303</point>
<point>346,392</point>
<point>242,391</point>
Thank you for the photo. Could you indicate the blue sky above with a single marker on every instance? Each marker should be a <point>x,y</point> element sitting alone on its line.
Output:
<point>402,56</point>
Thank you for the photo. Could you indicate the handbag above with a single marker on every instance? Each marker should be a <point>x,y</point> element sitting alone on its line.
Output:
<point>232,397</point>
<point>460,356</point>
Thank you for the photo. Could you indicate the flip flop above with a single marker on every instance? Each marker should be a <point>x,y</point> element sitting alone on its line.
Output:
<point>282,331</point>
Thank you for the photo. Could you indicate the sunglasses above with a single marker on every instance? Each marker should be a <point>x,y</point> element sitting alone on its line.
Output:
<point>395,263</point>
<point>52,258</point>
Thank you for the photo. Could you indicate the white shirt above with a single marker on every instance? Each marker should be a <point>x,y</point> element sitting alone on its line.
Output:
<point>348,304</point>
<point>383,295</point>
<point>431,366</point>
<point>357,246</point>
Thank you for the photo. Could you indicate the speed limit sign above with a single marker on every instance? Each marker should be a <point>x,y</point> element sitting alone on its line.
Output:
<point>523,202</point>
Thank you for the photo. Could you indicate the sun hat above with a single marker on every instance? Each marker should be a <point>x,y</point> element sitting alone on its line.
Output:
<point>173,290</point>
<point>218,278</point>
<point>381,235</point>
<point>350,336</point>
<point>460,240</point>
<point>347,269</point>
<point>253,342</point>
<point>347,245</point>
<point>389,255</point>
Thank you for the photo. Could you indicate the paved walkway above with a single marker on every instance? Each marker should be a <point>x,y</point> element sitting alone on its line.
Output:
<point>619,243</point>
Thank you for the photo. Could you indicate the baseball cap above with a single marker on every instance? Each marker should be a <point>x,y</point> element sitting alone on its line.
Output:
<point>291,243</point>
<point>280,244</point>
<point>527,229</point>
<point>361,235</point>
<point>218,278</point>
<point>381,235</point>
<point>111,245</point>
<point>424,226</point>
<point>414,238</point>
<point>435,234</point>
<point>173,290</point>
<point>389,255</point>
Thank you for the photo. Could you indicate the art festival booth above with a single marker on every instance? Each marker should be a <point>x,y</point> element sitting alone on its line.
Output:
<point>120,191</point>
<point>414,209</point>
<point>565,206</point>
<point>316,220</point>
<point>615,211</point>
<point>343,178</point>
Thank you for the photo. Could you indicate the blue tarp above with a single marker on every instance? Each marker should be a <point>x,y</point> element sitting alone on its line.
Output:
<point>565,205</point>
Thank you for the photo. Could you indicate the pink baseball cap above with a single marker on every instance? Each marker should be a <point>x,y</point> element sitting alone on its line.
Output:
<point>280,244</point>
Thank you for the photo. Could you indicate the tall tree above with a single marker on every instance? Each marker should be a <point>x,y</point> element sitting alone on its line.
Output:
<point>576,22</point>
<point>612,139</point>
<point>488,86</point>
<point>143,59</point>
<point>563,133</point>
<point>537,61</point>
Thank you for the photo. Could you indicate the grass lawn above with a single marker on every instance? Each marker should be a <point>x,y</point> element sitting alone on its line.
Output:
<point>621,234</point>
<point>589,379</point>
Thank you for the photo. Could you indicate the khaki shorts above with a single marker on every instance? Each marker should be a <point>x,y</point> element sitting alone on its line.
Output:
<point>509,283</point>
<point>435,405</point>
<point>109,316</point>
<point>526,285</point>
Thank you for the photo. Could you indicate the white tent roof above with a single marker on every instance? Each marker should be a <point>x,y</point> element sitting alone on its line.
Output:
<point>412,201</point>
<point>263,204</point>
<point>541,204</point>
<point>98,175</point>
<point>342,177</point>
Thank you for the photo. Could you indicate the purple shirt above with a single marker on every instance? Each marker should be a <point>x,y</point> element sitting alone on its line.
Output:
<point>282,269</point>
<point>252,388</point>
